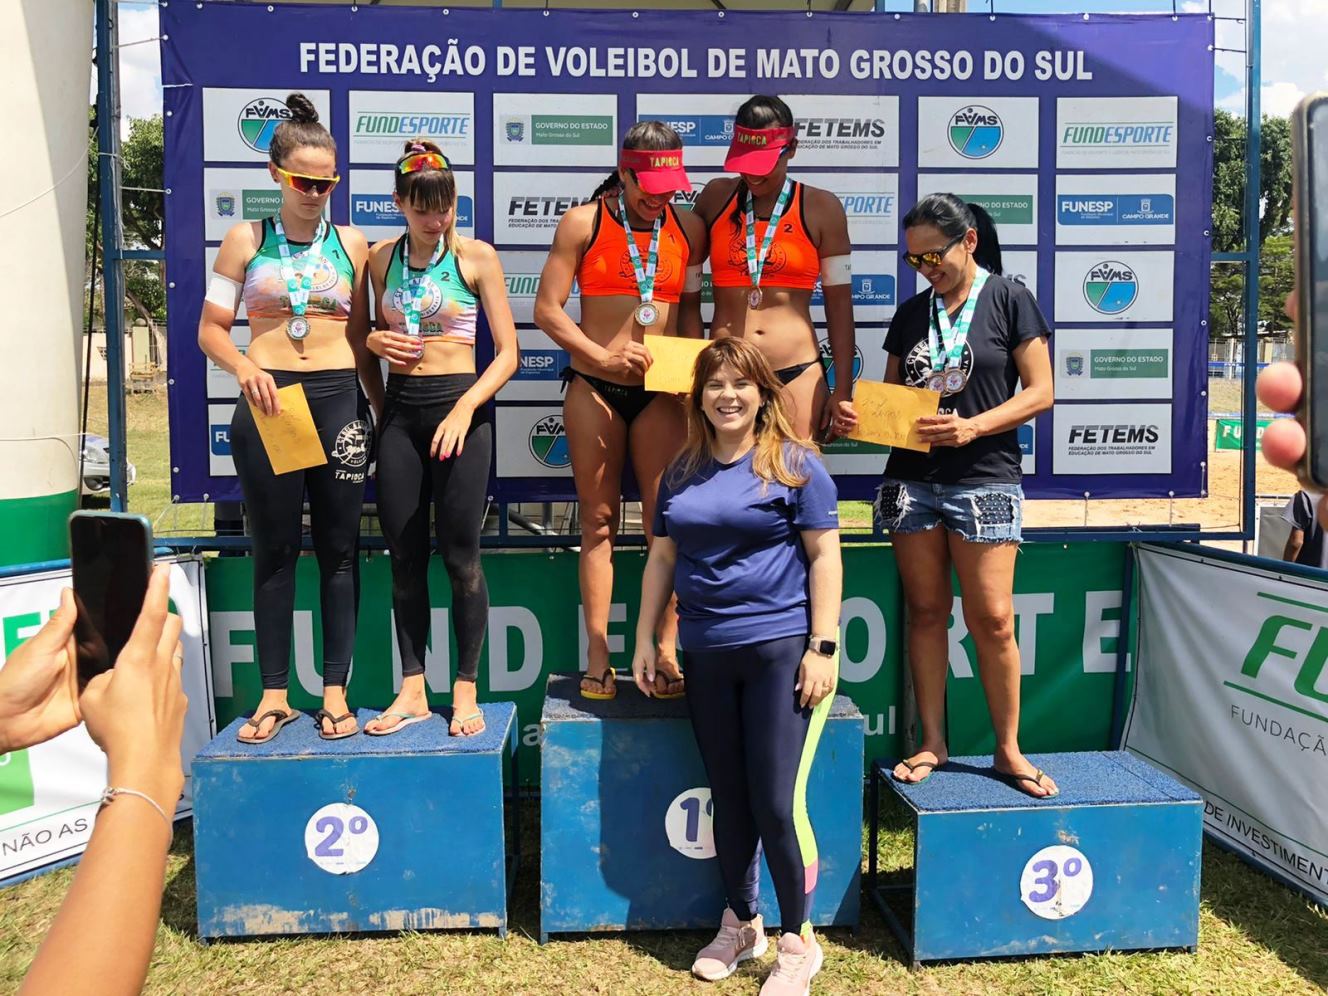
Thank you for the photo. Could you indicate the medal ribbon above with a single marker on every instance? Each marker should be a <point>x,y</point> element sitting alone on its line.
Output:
<point>947,352</point>
<point>645,276</point>
<point>755,263</point>
<point>413,297</point>
<point>298,290</point>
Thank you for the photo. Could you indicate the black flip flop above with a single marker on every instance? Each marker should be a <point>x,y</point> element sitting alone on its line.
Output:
<point>1035,779</point>
<point>256,721</point>
<point>914,766</point>
<point>323,714</point>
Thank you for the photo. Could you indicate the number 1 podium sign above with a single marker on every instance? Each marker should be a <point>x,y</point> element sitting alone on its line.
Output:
<point>1112,863</point>
<point>308,836</point>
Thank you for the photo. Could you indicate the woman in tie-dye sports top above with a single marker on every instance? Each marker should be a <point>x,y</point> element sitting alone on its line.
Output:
<point>303,340</point>
<point>436,438</point>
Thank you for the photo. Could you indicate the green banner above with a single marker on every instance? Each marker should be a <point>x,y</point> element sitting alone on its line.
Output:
<point>581,129</point>
<point>1005,209</point>
<point>535,630</point>
<point>1230,432</point>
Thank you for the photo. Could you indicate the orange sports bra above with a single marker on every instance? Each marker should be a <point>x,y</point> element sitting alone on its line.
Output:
<point>606,267</point>
<point>793,260</point>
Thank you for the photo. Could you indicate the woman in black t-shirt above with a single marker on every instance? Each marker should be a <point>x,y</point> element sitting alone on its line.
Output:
<point>975,336</point>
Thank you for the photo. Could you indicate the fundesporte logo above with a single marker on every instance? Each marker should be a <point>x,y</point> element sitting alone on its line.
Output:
<point>548,442</point>
<point>1111,287</point>
<point>258,121</point>
<point>975,131</point>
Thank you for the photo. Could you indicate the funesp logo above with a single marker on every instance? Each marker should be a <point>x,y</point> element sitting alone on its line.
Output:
<point>221,440</point>
<point>1116,209</point>
<point>258,121</point>
<point>976,131</point>
<point>1110,287</point>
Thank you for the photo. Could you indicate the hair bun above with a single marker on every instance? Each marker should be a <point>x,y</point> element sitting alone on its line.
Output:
<point>414,146</point>
<point>302,109</point>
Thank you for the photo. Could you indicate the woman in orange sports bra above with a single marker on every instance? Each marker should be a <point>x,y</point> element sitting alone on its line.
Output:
<point>763,282</point>
<point>607,412</point>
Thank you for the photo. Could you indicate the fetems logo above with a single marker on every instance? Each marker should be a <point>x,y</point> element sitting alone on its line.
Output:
<point>976,131</point>
<point>1110,287</point>
<point>1114,435</point>
<point>258,120</point>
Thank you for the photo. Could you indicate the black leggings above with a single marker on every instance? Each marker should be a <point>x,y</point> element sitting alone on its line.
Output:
<point>276,505</point>
<point>408,478</point>
<point>757,745</point>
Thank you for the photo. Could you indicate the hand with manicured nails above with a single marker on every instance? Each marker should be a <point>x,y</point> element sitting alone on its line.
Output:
<point>395,347</point>
<point>643,665</point>
<point>135,711</point>
<point>39,683</point>
<point>632,360</point>
<point>258,387</point>
<point>450,436</point>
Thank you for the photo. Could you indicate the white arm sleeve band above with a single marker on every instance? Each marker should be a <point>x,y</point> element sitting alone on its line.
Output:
<point>836,270</point>
<point>224,292</point>
<point>692,284</point>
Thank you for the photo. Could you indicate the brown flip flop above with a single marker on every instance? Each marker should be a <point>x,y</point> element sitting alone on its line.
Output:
<point>256,721</point>
<point>323,714</point>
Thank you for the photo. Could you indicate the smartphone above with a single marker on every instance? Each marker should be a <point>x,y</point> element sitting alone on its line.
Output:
<point>1309,147</point>
<point>111,557</point>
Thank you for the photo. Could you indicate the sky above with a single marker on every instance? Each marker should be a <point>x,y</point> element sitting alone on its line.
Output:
<point>1294,61</point>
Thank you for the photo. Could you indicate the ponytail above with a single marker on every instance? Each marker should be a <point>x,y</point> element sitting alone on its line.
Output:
<point>654,136</point>
<point>988,252</point>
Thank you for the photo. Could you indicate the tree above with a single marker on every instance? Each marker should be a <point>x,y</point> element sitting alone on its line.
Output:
<point>142,210</point>
<point>1229,179</point>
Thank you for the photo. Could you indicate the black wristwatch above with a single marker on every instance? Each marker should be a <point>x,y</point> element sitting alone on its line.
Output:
<point>822,646</point>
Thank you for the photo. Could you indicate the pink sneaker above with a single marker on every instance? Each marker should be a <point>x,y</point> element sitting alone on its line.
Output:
<point>798,961</point>
<point>735,943</point>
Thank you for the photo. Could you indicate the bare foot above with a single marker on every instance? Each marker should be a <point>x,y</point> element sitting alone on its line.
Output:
<point>411,700</point>
<point>920,766</point>
<point>1037,784</point>
<point>467,720</point>
<point>274,698</point>
<point>334,701</point>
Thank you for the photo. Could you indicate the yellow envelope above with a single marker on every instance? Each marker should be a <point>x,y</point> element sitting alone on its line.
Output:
<point>674,359</point>
<point>888,414</point>
<point>290,437</point>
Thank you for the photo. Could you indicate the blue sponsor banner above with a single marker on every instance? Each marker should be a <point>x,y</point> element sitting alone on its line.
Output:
<point>845,60</point>
<point>1116,209</point>
<point>1025,433</point>
<point>541,364</point>
<point>221,440</point>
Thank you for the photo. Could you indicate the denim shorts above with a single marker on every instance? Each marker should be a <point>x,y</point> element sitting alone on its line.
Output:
<point>977,513</point>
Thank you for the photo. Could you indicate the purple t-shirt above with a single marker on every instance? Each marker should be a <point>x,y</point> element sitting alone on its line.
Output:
<point>741,571</point>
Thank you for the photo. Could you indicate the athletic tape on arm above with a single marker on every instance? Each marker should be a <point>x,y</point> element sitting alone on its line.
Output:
<point>692,283</point>
<point>836,270</point>
<point>224,292</point>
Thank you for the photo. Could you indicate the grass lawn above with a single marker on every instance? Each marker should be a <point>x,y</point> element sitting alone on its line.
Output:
<point>1255,937</point>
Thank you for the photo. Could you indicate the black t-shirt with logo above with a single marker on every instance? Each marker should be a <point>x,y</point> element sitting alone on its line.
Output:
<point>1006,315</point>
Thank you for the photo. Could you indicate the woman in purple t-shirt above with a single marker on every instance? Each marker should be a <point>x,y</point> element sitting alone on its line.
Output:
<point>747,534</point>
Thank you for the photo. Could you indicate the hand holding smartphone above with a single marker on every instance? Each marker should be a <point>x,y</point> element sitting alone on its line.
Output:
<point>111,558</point>
<point>1309,146</point>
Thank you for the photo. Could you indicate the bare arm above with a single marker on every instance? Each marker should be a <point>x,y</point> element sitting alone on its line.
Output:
<point>1295,540</point>
<point>825,584</point>
<point>656,590</point>
<point>1033,360</point>
<point>831,232</point>
<point>555,286</point>
<point>689,304</point>
<point>357,328</point>
<point>487,274</point>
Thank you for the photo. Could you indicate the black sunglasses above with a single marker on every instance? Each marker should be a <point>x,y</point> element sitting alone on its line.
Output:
<point>933,258</point>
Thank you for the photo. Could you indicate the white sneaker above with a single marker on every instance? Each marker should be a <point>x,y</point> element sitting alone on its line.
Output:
<point>797,963</point>
<point>736,942</point>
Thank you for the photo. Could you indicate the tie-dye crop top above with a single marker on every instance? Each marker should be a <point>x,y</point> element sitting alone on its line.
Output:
<point>449,306</point>
<point>265,293</point>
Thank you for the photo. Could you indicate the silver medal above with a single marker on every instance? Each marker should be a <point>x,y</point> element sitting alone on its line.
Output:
<point>955,379</point>
<point>297,327</point>
<point>754,297</point>
<point>646,314</point>
<point>936,381</point>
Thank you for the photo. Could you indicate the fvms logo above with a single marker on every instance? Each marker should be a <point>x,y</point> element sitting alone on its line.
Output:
<point>548,442</point>
<point>976,131</point>
<point>1111,287</point>
<point>828,361</point>
<point>258,121</point>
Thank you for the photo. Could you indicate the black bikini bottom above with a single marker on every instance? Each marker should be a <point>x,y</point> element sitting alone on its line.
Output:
<point>628,400</point>
<point>787,375</point>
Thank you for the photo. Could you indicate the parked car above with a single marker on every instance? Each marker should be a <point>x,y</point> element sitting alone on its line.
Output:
<point>97,465</point>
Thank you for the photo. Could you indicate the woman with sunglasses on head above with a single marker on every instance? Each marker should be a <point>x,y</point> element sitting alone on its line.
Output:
<point>771,239</point>
<point>974,336</point>
<point>300,278</point>
<point>747,534</point>
<point>435,441</point>
<point>638,263</point>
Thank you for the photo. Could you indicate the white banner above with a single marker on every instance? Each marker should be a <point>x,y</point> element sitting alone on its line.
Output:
<point>1232,698</point>
<point>382,121</point>
<point>1010,199</point>
<point>374,213</point>
<point>528,206</point>
<point>238,123</point>
<point>568,129</point>
<point>1111,439</point>
<point>1115,285</point>
<point>1116,132</point>
<point>978,132</point>
<point>48,793</point>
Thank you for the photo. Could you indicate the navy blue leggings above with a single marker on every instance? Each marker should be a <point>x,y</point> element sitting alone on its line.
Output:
<point>757,746</point>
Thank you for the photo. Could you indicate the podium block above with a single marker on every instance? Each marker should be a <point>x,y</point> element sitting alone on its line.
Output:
<point>309,836</point>
<point>1112,863</point>
<point>626,840</point>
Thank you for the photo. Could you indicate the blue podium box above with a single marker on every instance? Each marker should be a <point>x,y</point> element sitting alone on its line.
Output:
<point>308,836</point>
<point>625,829</point>
<point>1111,863</point>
